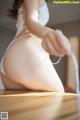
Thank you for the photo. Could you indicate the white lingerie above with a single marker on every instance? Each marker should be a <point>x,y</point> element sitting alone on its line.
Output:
<point>42,15</point>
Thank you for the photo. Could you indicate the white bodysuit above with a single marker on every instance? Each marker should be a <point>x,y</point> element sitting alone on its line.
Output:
<point>40,57</point>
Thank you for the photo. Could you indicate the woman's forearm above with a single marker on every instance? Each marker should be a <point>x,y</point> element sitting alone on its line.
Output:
<point>36,28</point>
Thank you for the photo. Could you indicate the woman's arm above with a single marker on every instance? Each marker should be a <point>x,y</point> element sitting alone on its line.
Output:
<point>31,7</point>
<point>52,39</point>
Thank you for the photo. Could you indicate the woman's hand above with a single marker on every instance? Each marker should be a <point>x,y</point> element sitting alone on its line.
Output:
<point>55,43</point>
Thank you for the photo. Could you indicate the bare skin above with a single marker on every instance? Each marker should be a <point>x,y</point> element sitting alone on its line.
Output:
<point>14,79</point>
<point>8,83</point>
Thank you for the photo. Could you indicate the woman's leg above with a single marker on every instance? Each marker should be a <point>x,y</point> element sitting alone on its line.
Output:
<point>47,75</point>
<point>43,78</point>
<point>20,66</point>
<point>6,83</point>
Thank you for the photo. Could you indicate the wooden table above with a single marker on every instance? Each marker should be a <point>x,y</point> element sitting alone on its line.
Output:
<point>23,105</point>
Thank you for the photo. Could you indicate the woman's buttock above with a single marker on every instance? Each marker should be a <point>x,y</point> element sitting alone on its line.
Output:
<point>24,55</point>
<point>9,84</point>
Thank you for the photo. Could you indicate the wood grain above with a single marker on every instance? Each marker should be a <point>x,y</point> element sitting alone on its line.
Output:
<point>33,105</point>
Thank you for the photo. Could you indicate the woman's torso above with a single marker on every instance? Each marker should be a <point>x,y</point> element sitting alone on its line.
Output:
<point>22,30</point>
<point>22,33</point>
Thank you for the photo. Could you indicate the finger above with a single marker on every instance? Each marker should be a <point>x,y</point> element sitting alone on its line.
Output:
<point>50,49</point>
<point>57,32</point>
<point>63,41</point>
<point>54,43</point>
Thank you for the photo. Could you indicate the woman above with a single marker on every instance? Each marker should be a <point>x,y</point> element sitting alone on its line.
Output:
<point>26,63</point>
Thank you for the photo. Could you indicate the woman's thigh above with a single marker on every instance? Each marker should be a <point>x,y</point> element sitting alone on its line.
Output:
<point>47,75</point>
<point>23,65</point>
<point>9,84</point>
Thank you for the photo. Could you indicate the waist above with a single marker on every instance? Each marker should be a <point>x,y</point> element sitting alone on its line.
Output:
<point>22,33</point>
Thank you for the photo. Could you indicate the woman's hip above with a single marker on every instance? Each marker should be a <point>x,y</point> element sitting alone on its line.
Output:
<point>26,53</point>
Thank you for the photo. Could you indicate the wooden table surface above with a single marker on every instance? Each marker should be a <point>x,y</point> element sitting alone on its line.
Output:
<point>23,105</point>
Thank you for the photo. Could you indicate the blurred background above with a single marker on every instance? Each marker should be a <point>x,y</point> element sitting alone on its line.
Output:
<point>64,17</point>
